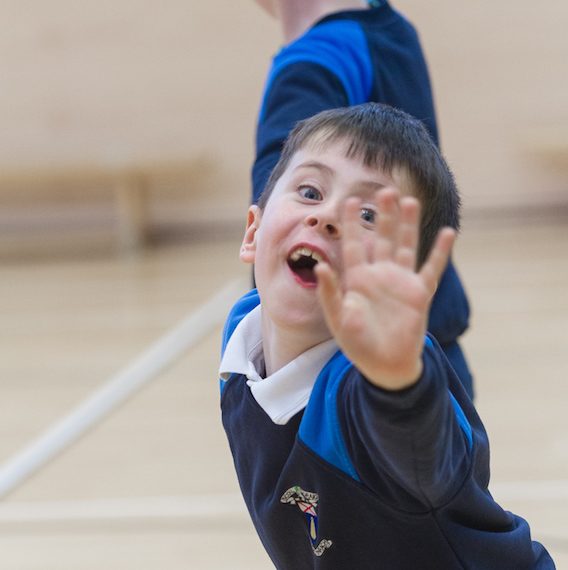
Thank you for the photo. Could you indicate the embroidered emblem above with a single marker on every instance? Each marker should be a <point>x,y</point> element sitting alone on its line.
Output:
<point>307,502</point>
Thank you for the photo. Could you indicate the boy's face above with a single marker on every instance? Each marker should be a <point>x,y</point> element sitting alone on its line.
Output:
<point>301,224</point>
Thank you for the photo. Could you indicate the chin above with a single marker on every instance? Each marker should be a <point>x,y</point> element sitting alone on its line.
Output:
<point>292,307</point>
<point>307,323</point>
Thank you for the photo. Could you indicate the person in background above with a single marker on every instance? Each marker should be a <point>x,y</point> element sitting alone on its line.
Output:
<point>339,53</point>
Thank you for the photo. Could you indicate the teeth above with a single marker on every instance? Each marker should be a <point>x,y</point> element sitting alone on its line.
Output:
<point>307,252</point>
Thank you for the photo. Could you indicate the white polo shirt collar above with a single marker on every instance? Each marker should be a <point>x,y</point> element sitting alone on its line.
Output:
<point>282,394</point>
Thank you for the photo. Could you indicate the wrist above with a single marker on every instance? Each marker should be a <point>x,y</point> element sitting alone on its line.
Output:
<point>394,382</point>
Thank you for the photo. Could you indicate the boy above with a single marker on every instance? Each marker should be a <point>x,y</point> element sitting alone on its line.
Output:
<point>355,445</point>
<point>340,53</point>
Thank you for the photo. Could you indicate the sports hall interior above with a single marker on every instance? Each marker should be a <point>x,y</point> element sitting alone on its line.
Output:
<point>126,139</point>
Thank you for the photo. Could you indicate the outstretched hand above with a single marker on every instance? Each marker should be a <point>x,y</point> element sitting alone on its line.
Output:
<point>377,309</point>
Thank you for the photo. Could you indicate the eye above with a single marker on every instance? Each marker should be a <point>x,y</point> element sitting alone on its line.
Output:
<point>309,193</point>
<point>368,215</point>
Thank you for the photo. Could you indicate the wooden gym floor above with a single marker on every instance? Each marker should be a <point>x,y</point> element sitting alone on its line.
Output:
<point>153,486</point>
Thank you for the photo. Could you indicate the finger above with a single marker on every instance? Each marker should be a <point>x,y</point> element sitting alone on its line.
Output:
<point>437,260</point>
<point>352,249</point>
<point>387,223</point>
<point>408,233</point>
<point>329,293</point>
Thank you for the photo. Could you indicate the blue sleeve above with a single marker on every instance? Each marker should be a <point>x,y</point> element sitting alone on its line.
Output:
<point>412,447</point>
<point>328,67</point>
<point>240,309</point>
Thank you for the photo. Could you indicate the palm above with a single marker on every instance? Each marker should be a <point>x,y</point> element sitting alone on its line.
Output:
<point>378,312</point>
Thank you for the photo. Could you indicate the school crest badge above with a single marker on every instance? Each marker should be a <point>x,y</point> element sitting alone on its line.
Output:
<point>307,502</point>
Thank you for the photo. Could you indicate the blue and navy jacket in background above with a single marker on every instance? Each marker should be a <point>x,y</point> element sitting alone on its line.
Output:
<point>348,58</point>
<point>362,478</point>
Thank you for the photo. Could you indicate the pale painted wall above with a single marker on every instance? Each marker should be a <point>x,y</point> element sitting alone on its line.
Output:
<point>500,75</point>
<point>124,81</point>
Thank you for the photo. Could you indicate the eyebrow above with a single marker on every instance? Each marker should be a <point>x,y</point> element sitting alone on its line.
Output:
<point>365,185</point>
<point>315,164</point>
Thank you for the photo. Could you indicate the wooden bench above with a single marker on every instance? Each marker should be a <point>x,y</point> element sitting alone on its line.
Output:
<point>549,145</point>
<point>130,184</point>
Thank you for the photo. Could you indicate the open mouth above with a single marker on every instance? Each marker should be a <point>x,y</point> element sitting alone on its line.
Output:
<point>302,261</point>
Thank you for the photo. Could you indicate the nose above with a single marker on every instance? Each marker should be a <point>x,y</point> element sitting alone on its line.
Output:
<point>324,220</point>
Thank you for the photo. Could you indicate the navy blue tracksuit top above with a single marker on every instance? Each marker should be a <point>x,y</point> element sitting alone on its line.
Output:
<point>365,479</point>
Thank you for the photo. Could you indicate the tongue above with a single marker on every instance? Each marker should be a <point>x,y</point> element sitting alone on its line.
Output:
<point>306,274</point>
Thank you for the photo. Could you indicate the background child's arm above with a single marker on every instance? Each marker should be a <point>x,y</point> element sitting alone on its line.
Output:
<point>298,91</point>
<point>377,311</point>
<point>312,74</point>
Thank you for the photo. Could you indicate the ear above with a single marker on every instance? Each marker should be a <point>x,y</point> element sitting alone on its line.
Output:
<point>248,247</point>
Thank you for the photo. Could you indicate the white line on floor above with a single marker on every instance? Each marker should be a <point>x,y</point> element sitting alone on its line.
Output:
<point>551,490</point>
<point>216,506</point>
<point>197,507</point>
<point>120,387</point>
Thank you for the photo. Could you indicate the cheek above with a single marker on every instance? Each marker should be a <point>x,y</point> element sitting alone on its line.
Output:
<point>279,222</point>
